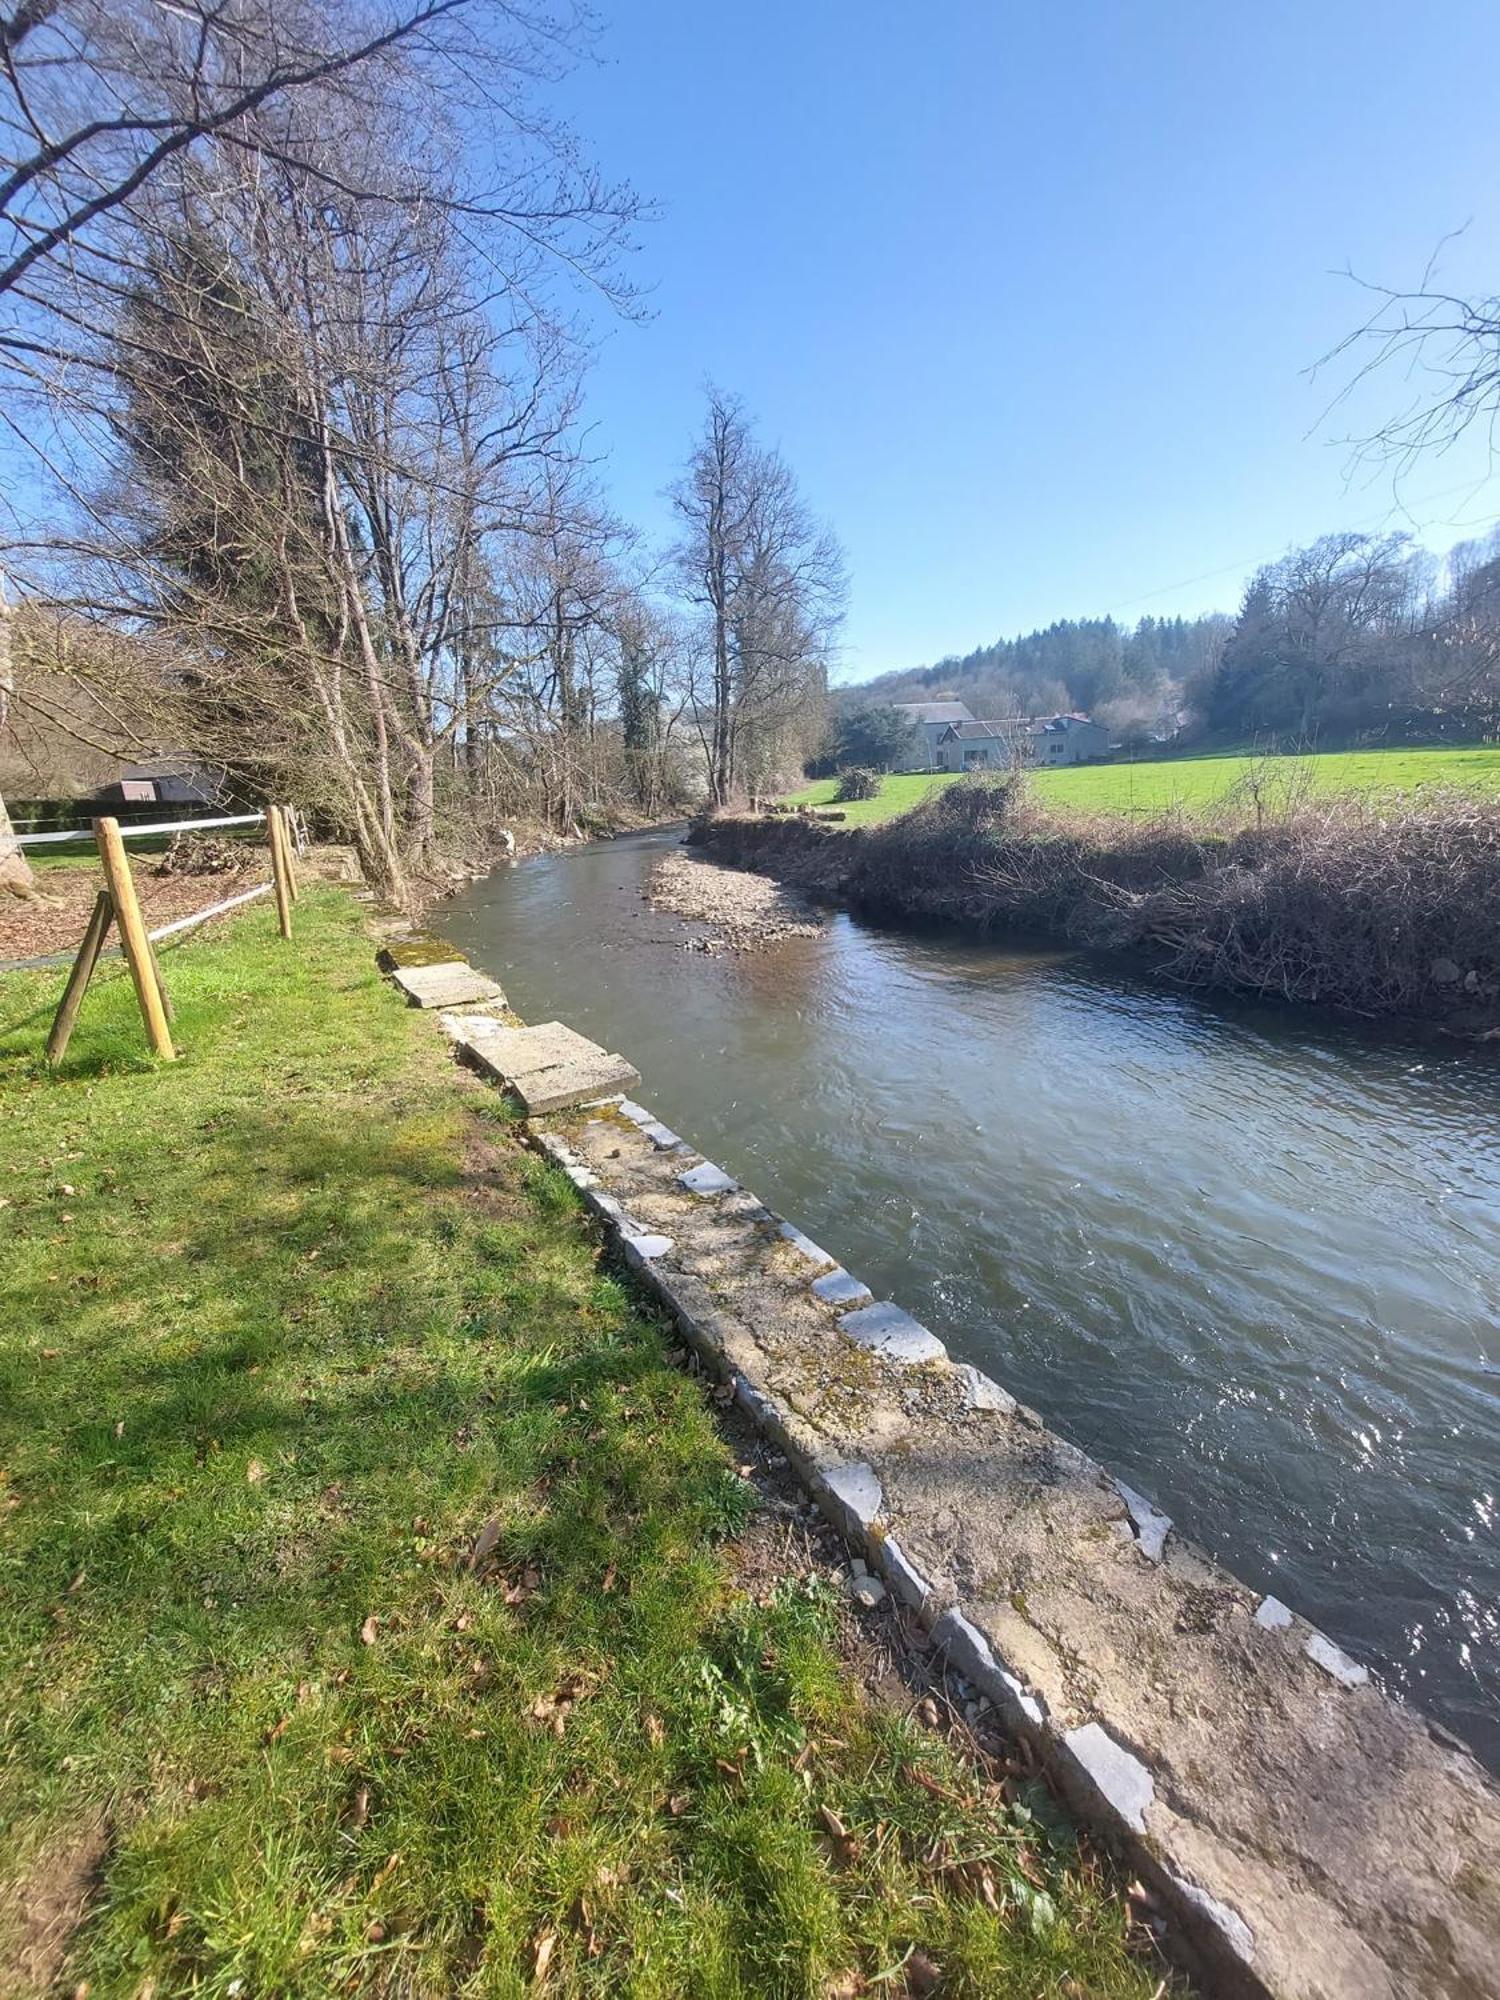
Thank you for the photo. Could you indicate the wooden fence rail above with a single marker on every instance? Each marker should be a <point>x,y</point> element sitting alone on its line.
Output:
<point>118,904</point>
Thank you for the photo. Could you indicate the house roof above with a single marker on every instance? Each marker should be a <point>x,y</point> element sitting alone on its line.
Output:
<point>969,731</point>
<point>934,711</point>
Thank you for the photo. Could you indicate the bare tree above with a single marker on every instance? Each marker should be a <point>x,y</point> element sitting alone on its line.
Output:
<point>16,878</point>
<point>308,370</point>
<point>98,96</point>
<point>768,582</point>
<point>1447,348</point>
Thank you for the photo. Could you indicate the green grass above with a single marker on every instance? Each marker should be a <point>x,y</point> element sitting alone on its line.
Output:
<point>285,1325</point>
<point>1195,784</point>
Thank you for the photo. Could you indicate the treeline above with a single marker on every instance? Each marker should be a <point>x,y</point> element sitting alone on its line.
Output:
<point>296,344</point>
<point>1363,638</point>
<point>1353,639</point>
<point>1131,677</point>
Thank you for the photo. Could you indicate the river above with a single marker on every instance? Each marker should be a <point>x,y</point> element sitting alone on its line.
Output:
<point>1245,1256</point>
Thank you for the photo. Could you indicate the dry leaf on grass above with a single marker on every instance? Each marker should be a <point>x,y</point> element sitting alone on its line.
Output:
<point>922,1975</point>
<point>844,1846</point>
<point>542,1947</point>
<point>368,1630</point>
<point>485,1543</point>
<point>551,1711</point>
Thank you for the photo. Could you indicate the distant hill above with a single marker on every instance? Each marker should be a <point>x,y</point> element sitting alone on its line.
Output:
<point>1122,673</point>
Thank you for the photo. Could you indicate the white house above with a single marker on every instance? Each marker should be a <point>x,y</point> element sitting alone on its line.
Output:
<point>928,720</point>
<point>976,746</point>
<point>1049,741</point>
<point>1069,739</point>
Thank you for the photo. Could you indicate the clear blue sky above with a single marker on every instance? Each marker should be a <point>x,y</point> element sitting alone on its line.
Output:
<point>1027,293</point>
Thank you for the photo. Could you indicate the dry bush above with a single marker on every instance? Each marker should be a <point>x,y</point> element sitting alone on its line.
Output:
<point>1381,910</point>
<point>857,783</point>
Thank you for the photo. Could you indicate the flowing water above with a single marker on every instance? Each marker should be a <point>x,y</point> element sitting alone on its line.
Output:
<point>1245,1256</point>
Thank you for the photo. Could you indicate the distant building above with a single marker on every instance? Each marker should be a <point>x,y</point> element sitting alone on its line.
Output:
<point>1069,739</point>
<point>1048,741</point>
<point>168,781</point>
<point>975,746</point>
<point>928,720</point>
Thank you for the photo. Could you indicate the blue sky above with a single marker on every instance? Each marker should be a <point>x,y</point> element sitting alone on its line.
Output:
<point>1028,294</point>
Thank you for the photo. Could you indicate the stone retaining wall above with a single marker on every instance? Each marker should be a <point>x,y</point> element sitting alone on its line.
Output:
<point>1313,1838</point>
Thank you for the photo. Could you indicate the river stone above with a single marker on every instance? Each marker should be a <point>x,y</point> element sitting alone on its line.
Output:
<point>454,984</point>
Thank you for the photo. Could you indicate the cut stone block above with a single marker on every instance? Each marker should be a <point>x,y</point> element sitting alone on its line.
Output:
<point>839,1288</point>
<point>980,1393</point>
<point>804,1245</point>
<point>1151,1525</point>
<point>661,1136</point>
<point>1120,1776</point>
<point>550,1066</point>
<point>895,1334</point>
<point>1334,1660</point>
<point>708,1179</point>
<point>454,984</point>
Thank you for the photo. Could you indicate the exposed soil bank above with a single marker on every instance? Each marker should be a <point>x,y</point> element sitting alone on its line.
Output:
<point>1376,913</point>
<point>738,911</point>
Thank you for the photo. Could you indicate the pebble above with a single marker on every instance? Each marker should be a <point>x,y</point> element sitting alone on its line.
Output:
<point>867,1591</point>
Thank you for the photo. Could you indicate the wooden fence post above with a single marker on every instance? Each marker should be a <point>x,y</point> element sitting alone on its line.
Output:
<point>275,837</point>
<point>78,979</point>
<point>133,937</point>
<point>289,849</point>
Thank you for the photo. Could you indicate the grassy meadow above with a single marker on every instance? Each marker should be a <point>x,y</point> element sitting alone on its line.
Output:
<point>1198,785</point>
<point>371,1605</point>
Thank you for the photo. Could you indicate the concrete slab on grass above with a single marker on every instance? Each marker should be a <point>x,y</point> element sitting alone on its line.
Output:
<point>452,985</point>
<point>549,1067</point>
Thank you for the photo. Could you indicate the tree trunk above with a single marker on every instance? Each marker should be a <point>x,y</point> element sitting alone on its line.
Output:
<point>16,878</point>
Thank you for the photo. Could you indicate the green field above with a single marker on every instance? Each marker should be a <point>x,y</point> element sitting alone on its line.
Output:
<point>1198,784</point>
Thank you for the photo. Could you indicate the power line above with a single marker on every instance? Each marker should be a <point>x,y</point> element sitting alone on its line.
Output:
<point>1254,562</point>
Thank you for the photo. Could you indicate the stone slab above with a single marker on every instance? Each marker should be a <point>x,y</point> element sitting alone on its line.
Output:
<point>891,1331</point>
<point>840,1288</point>
<point>549,1067</point>
<point>452,985</point>
<point>707,1179</point>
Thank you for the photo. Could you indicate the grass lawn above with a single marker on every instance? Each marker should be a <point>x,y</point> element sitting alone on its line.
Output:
<point>1196,784</point>
<point>291,1329</point>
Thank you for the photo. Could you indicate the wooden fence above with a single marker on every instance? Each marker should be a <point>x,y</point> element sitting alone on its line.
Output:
<point>117,904</point>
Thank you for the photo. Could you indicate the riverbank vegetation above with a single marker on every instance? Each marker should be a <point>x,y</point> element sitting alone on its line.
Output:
<point>1376,905</point>
<point>1202,787</point>
<point>380,1611</point>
